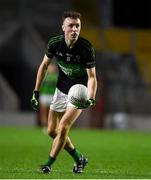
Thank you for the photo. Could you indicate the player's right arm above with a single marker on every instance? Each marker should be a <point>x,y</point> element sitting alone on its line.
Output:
<point>41,72</point>
<point>40,76</point>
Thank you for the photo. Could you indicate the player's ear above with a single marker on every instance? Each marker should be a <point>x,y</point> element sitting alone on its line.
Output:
<point>63,27</point>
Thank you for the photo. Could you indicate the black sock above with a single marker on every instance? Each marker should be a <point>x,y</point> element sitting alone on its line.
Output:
<point>75,154</point>
<point>50,161</point>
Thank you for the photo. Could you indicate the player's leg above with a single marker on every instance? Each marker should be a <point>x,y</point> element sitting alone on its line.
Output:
<point>57,109</point>
<point>55,115</point>
<point>53,121</point>
<point>62,138</point>
<point>65,123</point>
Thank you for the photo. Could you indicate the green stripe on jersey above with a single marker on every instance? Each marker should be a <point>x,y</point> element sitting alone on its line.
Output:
<point>72,70</point>
<point>55,39</point>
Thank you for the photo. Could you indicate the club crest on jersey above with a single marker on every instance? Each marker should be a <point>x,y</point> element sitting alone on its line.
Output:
<point>59,54</point>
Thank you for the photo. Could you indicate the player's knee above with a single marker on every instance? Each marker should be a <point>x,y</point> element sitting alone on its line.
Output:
<point>63,131</point>
<point>52,133</point>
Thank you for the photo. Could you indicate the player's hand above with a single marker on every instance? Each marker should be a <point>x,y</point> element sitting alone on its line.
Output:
<point>90,103</point>
<point>35,100</point>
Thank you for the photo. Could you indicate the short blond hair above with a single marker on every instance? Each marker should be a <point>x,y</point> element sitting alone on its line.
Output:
<point>71,14</point>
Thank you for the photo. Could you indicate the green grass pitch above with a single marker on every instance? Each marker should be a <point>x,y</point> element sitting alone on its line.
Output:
<point>111,154</point>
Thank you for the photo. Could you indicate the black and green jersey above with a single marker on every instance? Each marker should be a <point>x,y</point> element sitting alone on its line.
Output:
<point>72,63</point>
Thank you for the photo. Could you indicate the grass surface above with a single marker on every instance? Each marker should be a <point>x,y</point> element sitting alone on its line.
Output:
<point>111,154</point>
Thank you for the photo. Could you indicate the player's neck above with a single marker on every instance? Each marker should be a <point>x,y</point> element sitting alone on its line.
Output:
<point>69,43</point>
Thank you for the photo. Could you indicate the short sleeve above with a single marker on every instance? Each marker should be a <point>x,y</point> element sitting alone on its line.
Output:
<point>50,49</point>
<point>91,58</point>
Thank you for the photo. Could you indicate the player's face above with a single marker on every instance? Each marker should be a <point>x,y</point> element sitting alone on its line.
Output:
<point>71,28</point>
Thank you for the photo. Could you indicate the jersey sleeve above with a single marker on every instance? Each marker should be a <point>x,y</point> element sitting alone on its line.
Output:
<point>91,58</point>
<point>50,48</point>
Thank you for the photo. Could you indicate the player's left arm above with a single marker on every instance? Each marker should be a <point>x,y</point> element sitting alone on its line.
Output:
<point>92,82</point>
<point>92,87</point>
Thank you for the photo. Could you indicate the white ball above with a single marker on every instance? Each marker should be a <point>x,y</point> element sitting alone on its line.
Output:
<point>78,94</point>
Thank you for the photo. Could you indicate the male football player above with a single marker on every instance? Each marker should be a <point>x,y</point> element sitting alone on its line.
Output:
<point>75,57</point>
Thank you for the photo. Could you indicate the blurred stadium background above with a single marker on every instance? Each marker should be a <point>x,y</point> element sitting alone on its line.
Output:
<point>120,30</point>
